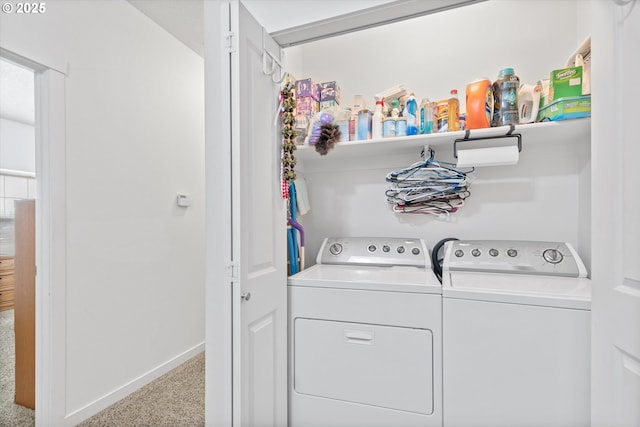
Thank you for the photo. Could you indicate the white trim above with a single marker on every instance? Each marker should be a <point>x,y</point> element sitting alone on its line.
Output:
<point>51,244</point>
<point>218,291</point>
<point>375,16</point>
<point>76,417</point>
<point>34,62</point>
<point>11,172</point>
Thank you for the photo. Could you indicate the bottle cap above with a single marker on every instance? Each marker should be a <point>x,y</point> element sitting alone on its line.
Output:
<point>506,72</point>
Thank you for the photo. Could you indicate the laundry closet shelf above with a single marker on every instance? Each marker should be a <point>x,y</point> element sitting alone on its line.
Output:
<point>560,132</point>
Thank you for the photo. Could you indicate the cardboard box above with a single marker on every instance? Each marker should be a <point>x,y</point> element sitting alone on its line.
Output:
<point>566,108</point>
<point>307,105</point>
<point>330,91</point>
<point>328,104</point>
<point>307,88</point>
<point>565,83</point>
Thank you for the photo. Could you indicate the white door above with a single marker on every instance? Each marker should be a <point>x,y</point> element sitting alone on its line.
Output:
<point>616,214</point>
<point>246,215</point>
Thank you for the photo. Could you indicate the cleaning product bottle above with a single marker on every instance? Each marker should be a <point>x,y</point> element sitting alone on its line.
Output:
<point>454,111</point>
<point>425,116</point>
<point>479,102</point>
<point>356,107</point>
<point>378,117</point>
<point>528,102</point>
<point>411,113</point>
<point>505,94</point>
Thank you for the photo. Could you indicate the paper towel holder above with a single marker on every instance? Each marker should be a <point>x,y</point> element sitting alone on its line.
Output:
<point>468,138</point>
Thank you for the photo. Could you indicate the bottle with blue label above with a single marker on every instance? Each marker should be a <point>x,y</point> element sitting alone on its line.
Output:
<point>505,94</point>
<point>411,113</point>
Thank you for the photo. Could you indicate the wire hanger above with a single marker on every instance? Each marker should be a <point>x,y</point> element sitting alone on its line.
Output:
<point>428,187</point>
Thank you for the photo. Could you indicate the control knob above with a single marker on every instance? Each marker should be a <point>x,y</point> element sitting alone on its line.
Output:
<point>335,249</point>
<point>552,256</point>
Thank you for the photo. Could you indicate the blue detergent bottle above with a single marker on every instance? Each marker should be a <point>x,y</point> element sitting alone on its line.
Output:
<point>411,112</point>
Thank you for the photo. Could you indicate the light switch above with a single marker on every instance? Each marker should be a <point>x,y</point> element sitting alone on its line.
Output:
<point>183,200</point>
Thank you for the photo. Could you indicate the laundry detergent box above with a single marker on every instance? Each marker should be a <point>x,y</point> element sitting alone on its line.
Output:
<point>566,108</point>
<point>330,91</point>
<point>307,88</point>
<point>565,83</point>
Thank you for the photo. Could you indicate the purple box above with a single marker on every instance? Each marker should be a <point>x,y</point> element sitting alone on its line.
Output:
<point>307,106</point>
<point>330,91</point>
<point>307,88</point>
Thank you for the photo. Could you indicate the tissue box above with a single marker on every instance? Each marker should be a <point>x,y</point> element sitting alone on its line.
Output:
<point>565,83</point>
<point>307,88</point>
<point>566,108</point>
<point>330,91</point>
<point>307,106</point>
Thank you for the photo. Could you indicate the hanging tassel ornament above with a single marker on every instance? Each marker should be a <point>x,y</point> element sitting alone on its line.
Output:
<point>289,135</point>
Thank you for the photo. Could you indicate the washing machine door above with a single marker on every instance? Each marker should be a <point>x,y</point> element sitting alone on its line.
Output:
<point>383,366</point>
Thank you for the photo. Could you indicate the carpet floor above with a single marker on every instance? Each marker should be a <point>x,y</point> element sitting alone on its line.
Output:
<point>11,415</point>
<point>176,399</point>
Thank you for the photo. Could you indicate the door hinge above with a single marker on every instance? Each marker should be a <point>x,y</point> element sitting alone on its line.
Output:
<point>232,272</point>
<point>229,43</point>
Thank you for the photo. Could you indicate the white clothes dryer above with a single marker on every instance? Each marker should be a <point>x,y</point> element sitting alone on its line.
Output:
<point>365,338</point>
<point>516,335</point>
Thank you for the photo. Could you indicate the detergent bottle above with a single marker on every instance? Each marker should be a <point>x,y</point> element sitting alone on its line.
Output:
<point>505,93</point>
<point>479,102</point>
<point>528,102</point>
<point>411,113</point>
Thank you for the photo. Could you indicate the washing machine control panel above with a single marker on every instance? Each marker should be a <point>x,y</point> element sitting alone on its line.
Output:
<point>514,257</point>
<point>376,251</point>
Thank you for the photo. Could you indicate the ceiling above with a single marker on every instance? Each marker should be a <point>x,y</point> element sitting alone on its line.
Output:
<point>292,22</point>
<point>184,18</point>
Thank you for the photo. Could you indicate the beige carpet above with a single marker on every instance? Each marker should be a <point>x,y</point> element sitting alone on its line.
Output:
<point>174,400</point>
<point>11,415</point>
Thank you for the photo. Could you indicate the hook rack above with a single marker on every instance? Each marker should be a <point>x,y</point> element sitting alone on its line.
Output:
<point>275,63</point>
<point>467,138</point>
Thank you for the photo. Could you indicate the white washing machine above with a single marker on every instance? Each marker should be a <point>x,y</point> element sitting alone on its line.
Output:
<point>516,335</point>
<point>365,336</point>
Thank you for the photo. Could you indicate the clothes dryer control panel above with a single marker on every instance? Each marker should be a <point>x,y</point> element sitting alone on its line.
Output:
<point>374,251</point>
<point>514,257</point>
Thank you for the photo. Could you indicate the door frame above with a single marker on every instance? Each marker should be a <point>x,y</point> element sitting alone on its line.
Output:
<point>51,235</point>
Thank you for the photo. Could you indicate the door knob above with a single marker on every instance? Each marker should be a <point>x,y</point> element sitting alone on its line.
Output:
<point>246,296</point>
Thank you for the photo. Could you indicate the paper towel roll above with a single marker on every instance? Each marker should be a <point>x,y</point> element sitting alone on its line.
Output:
<point>490,156</point>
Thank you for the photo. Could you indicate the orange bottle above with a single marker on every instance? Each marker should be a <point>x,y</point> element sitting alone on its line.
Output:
<point>479,101</point>
<point>454,111</point>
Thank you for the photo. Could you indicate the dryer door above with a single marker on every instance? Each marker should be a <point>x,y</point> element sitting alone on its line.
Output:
<point>383,366</point>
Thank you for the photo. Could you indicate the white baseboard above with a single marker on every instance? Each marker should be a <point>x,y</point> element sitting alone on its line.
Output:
<point>77,416</point>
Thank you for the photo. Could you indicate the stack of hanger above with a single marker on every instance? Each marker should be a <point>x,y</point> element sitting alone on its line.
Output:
<point>428,187</point>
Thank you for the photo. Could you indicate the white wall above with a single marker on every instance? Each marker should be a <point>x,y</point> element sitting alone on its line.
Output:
<point>544,197</point>
<point>135,139</point>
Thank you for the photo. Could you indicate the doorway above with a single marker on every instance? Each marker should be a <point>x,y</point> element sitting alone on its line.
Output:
<point>17,184</point>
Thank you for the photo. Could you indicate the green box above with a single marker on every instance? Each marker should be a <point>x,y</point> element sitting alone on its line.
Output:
<point>565,83</point>
<point>566,108</point>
